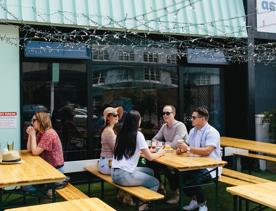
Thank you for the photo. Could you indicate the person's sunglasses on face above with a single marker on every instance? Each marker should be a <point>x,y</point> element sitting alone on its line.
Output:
<point>113,114</point>
<point>167,113</point>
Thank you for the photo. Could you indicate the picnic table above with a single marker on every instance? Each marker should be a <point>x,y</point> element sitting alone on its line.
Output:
<point>94,204</point>
<point>33,170</point>
<point>188,162</point>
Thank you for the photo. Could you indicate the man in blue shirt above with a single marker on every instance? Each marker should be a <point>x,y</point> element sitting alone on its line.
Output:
<point>204,140</point>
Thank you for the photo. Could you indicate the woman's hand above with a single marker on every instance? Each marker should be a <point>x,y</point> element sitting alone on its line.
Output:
<point>30,131</point>
<point>161,152</point>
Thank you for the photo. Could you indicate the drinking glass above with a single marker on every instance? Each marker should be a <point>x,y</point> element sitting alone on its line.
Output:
<point>10,146</point>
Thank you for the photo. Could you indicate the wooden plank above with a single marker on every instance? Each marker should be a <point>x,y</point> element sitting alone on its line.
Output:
<point>255,146</point>
<point>188,161</point>
<point>261,157</point>
<point>232,181</point>
<point>263,193</point>
<point>140,192</point>
<point>33,170</point>
<point>70,192</point>
<point>242,176</point>
<point>94,204</point>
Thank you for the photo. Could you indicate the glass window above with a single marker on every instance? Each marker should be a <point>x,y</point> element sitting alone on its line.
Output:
<point>125,85</point>
<point>61,90</point>
<point>203,87</point>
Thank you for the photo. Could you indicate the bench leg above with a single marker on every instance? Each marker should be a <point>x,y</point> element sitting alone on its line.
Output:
<point>235,203</point>
<point>216,189</point>
<point>102,189</point>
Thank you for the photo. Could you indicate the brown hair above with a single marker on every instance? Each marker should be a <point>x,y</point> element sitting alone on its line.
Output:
<point>202,111</point>
<point>44,120</point>
<point>172,107</point>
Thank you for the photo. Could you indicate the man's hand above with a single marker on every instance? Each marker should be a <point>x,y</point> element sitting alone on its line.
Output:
<point>181,147</point>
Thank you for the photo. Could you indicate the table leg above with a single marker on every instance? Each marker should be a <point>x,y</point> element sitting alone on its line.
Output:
<point>216,186</point>
<point>235,200</point>
<point>1,199</point>
<point>181,191</point>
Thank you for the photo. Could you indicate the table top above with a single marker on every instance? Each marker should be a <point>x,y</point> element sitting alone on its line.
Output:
<point>263,193</point>
<point>33,170</point>
<point>94,204</point>
<point>187,161</point>
<point>255,146</point>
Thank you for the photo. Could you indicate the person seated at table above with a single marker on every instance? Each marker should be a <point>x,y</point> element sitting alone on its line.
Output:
<point>129,144</point>
<point>108,138</point>
<point>44,141</point>
<point>170,132</point>
<point>204,140</point>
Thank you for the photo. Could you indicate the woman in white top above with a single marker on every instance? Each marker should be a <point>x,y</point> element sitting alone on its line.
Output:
<point>129,144</point>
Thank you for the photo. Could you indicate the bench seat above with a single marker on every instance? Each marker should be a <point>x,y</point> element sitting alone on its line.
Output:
<point>234,178</point>
<point>70,192</point>
<point>257,156</point>
<point>142,193</point>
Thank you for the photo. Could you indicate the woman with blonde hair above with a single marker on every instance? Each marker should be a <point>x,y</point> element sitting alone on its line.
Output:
<point>108,138</point>
<point>43,140</point>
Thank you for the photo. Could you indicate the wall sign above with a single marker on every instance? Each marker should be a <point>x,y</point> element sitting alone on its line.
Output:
<point>266,16</point>
<point>8,119</point>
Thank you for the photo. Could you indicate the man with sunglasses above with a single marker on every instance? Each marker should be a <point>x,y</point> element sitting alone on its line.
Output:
<point>204,140</point>
<point>170,132</point>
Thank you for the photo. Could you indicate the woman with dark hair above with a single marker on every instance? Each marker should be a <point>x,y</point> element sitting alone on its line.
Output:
<point>129,144</point>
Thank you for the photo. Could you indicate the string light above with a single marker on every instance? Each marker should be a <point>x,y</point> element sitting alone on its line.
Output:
<point>234,48</point>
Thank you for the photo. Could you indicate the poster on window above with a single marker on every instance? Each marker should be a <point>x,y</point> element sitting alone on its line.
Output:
<point>266,16</point>
<point>8,119</point>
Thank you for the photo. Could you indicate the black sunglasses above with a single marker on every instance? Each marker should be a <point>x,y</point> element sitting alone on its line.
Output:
<point>112,114</point>
<point>167,113</point>
<point>33,120</point>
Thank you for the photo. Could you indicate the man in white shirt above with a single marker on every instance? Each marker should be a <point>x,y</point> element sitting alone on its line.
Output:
<point>204,140</point>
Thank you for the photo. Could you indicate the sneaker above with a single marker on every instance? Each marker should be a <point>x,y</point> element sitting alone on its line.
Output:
<point>192,205</point>
<point>203,208</point>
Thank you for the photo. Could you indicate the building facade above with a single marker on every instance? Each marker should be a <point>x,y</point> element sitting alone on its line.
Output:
<point>120,53</point>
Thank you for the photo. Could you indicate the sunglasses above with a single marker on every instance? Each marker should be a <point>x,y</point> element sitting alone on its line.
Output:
<point>33,120</point>
<point>114,115</point>
<point>167,113</point>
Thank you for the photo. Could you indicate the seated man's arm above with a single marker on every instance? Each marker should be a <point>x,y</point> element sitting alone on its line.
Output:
<point>159,135</point>
<point>180,134</point>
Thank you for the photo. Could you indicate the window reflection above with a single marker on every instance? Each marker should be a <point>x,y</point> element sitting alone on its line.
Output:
<point>144,88</point>
<point>62,92</point>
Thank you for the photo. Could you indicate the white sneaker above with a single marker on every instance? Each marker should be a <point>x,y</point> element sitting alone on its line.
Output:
<point>203,208</point>
<point>192,205</point>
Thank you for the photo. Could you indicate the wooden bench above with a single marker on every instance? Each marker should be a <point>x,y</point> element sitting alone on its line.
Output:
<point>142,193</point>
<point>257,156</point>
<point>70,192</point>
<point>235,178</point>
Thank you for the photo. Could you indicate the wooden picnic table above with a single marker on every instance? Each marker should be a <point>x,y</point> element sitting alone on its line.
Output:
<point>188,162</point>
<point>263,193</point>
<point>33,170</point>
<point>94,204</point>
<point>254,146</point>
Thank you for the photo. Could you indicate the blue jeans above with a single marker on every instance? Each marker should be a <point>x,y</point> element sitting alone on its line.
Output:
<point>103,165</point>
<point>141,176</point>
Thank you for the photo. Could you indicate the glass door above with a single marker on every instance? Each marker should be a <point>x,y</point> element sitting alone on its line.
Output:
<point>202,86</point>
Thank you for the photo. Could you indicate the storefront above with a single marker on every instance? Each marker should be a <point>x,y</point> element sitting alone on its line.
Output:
<point>75,80</point>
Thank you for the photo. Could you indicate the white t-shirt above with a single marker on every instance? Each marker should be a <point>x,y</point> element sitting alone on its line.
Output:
<point>130,164</point>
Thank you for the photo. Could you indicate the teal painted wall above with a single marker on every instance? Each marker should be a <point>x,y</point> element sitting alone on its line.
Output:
<point>9,82</point>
